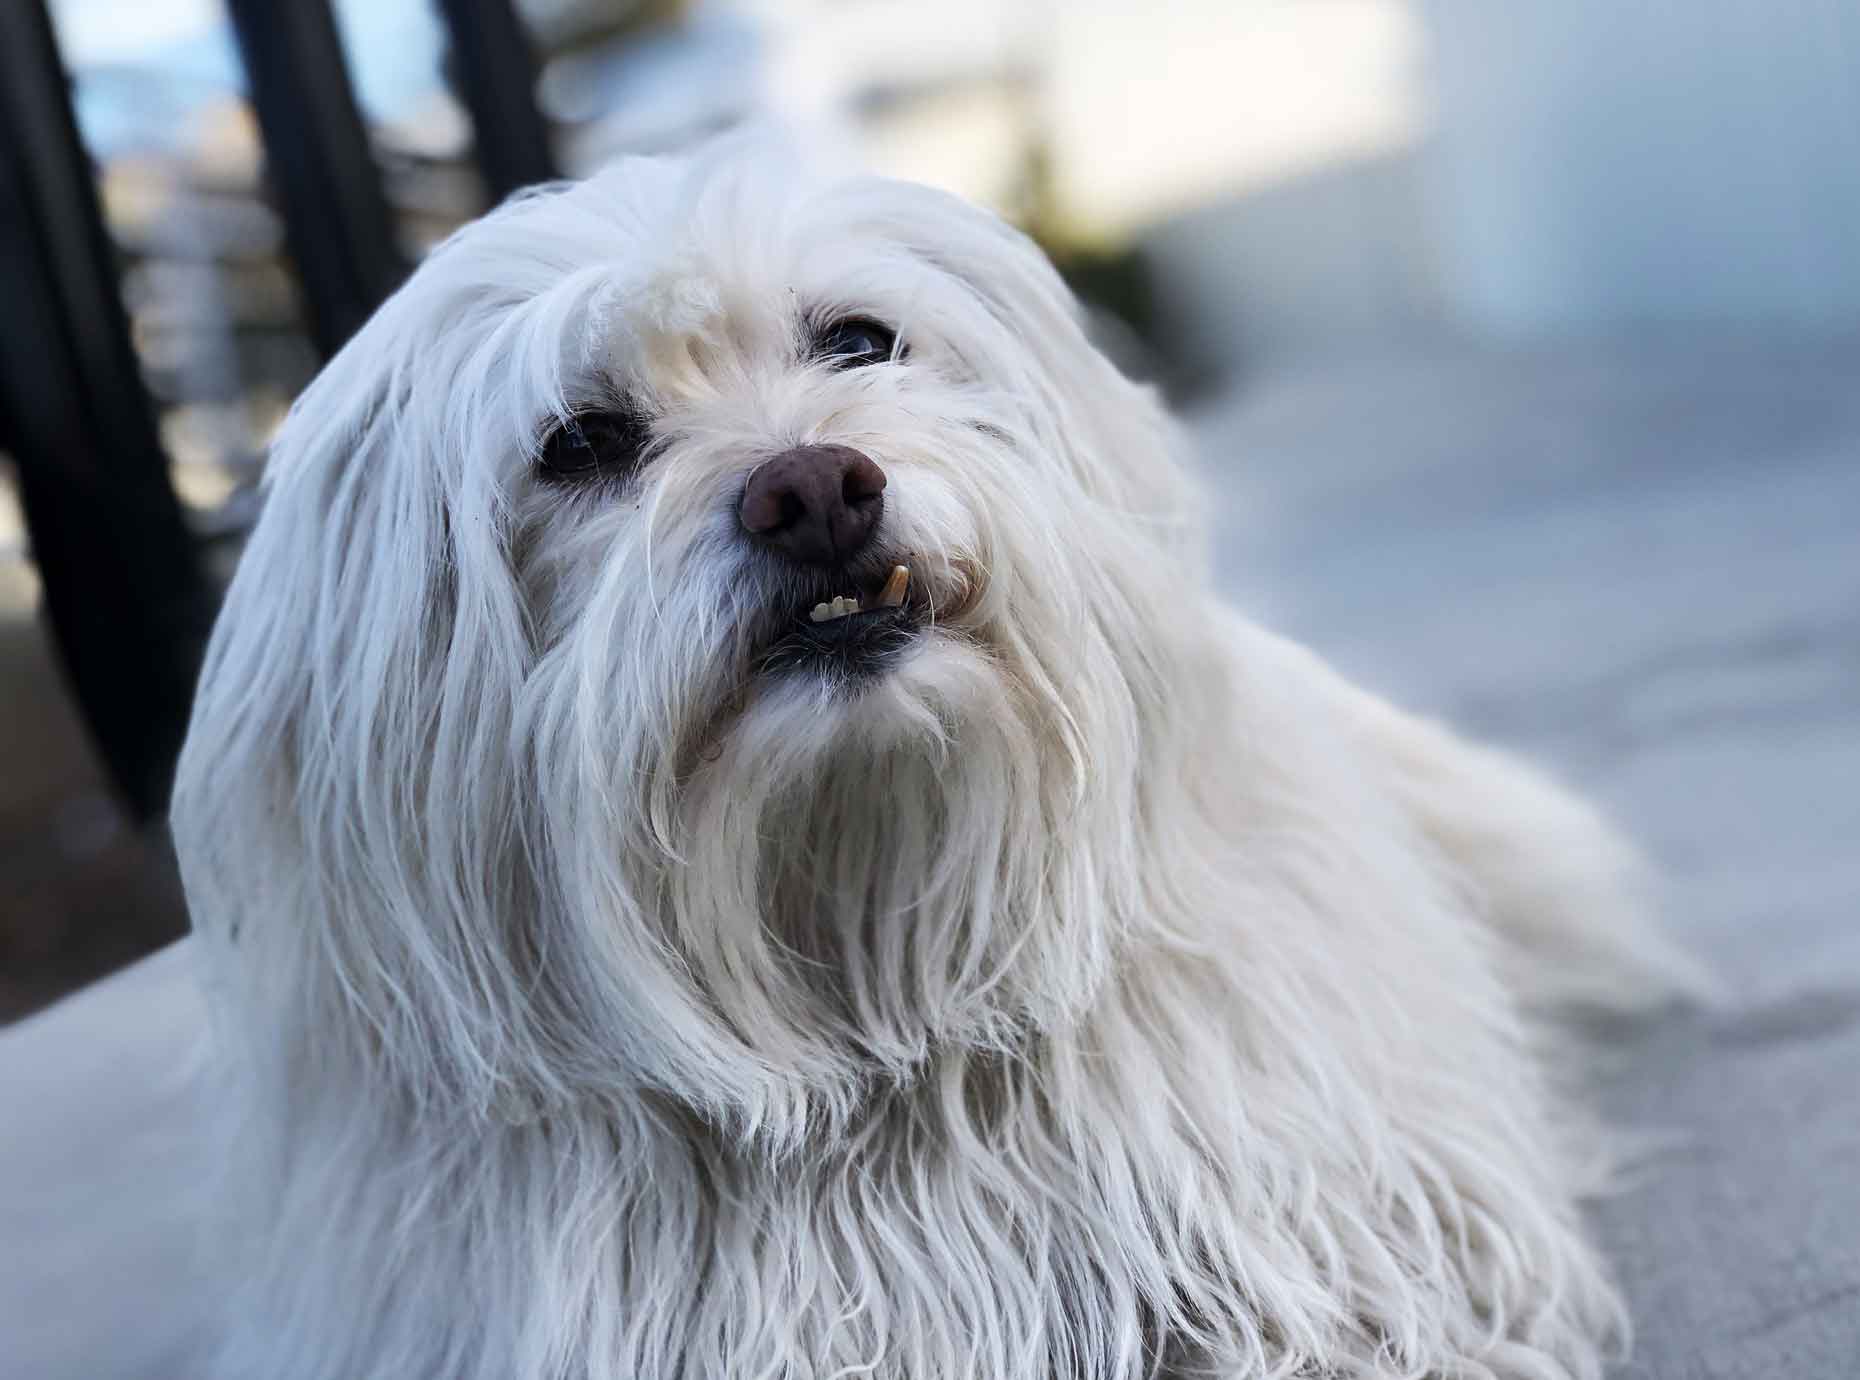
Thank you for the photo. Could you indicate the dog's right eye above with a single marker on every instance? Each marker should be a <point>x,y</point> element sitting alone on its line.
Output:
<point>857,341</point>
<point>591,445</point>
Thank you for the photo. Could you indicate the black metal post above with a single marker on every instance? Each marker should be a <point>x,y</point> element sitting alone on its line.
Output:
<point>125,595</point>
<point>321,167</point>
<point>496,75</point>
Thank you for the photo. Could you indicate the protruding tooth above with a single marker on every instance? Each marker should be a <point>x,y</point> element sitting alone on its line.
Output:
<point>892,595</point>
<point>821,613</point>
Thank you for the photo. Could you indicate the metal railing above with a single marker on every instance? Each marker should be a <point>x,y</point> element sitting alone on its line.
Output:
<point>126,591</point>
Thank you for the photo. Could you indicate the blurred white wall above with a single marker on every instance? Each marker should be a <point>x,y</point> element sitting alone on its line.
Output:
<point>1507,169</point>
<point>1627,163</point>
<point>1144,110</point>
<point>1154,109</point>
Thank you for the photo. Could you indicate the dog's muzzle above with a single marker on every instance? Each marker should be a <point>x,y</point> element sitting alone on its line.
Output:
<point>815,511</point>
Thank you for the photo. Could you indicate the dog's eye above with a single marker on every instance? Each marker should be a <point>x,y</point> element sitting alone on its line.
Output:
<point>856,342</point>
<point>595,445</point>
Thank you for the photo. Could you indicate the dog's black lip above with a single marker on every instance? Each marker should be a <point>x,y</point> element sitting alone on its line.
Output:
<point>854,646</point>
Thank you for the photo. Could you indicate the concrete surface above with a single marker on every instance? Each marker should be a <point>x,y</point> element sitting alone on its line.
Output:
<point>1642,567</point>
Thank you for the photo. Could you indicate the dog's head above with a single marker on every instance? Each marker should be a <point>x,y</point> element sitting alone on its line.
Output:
<point>707,632</point>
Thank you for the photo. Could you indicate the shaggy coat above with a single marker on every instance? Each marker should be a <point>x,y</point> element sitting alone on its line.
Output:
<point>1102,990</point>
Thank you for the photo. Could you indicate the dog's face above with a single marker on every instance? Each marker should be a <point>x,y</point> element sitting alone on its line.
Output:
<point>706,631</point>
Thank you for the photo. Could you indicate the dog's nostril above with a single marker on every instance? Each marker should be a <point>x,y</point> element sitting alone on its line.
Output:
<point>864,480</point>
<point>815,504</point>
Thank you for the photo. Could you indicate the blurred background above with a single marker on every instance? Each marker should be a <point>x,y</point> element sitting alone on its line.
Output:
<point>1518,339</point>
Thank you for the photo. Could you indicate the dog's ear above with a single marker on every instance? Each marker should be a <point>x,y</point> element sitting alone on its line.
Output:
<point>343,806</point>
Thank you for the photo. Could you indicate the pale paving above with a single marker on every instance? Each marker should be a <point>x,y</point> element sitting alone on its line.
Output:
<point>1642,566</point>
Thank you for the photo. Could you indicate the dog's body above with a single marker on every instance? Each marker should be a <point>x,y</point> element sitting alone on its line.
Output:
<point>630,965</point>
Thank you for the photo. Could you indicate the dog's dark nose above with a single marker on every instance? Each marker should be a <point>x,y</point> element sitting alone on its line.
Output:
<point>815,504</point>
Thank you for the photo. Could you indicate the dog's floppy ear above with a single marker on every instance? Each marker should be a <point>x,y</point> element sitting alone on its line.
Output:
<point>342,806</point>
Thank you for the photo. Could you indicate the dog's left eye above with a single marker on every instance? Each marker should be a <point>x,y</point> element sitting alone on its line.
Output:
<point>855,342</point>
<point>595,445</point>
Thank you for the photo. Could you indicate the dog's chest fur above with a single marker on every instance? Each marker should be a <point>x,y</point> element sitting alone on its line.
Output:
<point>954,1227</point>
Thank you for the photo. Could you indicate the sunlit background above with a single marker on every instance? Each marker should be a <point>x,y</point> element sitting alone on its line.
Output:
<point>1516,336</point>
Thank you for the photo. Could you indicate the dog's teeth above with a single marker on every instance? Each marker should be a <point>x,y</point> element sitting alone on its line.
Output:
<point>821,613</point>
<point>892,595</point>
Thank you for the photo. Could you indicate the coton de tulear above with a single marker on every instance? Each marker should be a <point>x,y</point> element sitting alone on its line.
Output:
<point>730,838</point>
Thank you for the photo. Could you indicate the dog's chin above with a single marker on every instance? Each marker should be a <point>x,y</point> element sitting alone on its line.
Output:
<point>843,630</point>
<point>848,653</point>
<point>883,684</point>
<point>821,672</point>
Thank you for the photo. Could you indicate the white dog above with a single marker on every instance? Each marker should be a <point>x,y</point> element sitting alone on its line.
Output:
<point>732,841</point>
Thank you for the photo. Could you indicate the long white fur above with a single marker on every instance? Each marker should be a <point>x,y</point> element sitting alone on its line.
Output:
<point>1107,991</point>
